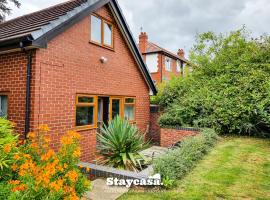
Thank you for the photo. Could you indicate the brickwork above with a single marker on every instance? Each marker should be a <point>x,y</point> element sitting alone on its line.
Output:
<point>169,137</point>
<point>71,65</point>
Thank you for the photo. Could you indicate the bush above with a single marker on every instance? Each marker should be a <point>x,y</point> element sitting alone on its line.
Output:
<point>177,163</point>
<point>120,144</point>
<point>37,172</point>
<point>229,89</point>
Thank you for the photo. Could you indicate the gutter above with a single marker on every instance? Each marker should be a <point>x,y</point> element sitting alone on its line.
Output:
<point>29,55</point>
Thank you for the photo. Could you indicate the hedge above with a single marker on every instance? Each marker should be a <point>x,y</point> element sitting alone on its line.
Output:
<point>177,163</point>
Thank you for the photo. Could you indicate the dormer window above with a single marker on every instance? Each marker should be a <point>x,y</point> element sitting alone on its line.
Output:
<point>101,32</point>
<point>168,64</point>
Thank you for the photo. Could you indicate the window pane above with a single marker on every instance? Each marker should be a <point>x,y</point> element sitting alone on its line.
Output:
<point>3,105</point>
<point>115,107</point>
<point>86,99</point>
<point>107,34</point>
<point>178,67</point>
<point>96,29</point>
<point>129,112</point>
<point>129,100</point>
<point>84,116</point>
<point>168,64</point>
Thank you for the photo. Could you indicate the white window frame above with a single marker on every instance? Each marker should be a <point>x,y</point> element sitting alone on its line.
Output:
<point>168,64</point>
<point>178,66</point>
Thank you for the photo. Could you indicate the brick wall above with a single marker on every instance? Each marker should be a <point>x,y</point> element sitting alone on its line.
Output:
<point>169,137</point>
<point>13,67</point>
<point>71,65</point>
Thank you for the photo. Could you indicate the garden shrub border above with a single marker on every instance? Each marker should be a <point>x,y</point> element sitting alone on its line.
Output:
<point>178,162</point>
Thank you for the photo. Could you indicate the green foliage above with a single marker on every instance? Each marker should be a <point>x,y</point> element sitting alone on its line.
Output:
<point>5,9</point>
<point>8,148</point>
<point>120,144</point>
<point>167,182</point>
<point>229,90</point>
<point>177,163</point>
<point>33,170</point>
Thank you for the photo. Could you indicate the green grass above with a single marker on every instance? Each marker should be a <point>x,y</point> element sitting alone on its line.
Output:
<point>237,168</point>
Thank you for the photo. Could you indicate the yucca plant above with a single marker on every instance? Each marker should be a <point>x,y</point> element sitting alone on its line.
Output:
<point>120,144</point>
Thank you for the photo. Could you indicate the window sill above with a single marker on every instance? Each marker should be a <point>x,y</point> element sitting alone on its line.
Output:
<point>85,128</point>
<point>102,46</point>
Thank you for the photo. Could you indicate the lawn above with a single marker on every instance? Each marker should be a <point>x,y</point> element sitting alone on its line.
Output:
<point>237,168</point>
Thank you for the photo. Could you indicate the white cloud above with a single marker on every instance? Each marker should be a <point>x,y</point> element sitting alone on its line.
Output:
<point>174,23</point>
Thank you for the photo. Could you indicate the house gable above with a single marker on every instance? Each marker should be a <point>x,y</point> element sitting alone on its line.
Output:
<point>40,37</point>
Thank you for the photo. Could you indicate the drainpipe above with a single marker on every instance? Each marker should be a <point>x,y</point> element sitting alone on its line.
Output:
<point>28,92</point>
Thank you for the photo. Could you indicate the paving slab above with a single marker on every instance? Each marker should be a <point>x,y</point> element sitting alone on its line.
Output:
<point>100,191</point>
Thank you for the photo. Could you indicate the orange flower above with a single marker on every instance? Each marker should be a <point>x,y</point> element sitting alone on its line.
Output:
<point>34,145</point>
<point>31,135</point>
<point>72,175</point>
<point>47,139</point>
<point>48,155</point>
<point>14,167</point>
<point>57,185</point>
<point>16,157</point>
<point>14,182</point>
<point>88,169</point>
<point>7,148</point>
<point>43,127</point>
<point>65,165</point>
<point>66,140</point>
<point>74,134</point>
<point>19,188</point>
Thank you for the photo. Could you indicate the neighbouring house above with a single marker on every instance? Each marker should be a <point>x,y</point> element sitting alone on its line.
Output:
<point>72,66</point>
<point>162,63</point>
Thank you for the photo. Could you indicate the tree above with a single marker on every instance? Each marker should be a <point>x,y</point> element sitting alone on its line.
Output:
<point>229,90</point>
<point>5,9</point>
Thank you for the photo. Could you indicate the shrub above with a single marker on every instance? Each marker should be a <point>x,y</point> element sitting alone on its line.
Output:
<point>8,147</point>
<point>177,163</point>
<point>120,144</point>
<point>229,89</point>
<point>38,172</point>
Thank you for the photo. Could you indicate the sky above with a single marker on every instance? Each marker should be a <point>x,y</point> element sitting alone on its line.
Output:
<point>173,24</point>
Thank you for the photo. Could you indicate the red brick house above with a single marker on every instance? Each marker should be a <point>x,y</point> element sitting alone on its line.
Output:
<point>162,63</point>
<point>72,66</point>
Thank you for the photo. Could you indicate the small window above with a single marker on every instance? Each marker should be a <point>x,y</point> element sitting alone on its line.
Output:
<point>96,29</point>
<point>168,62</point>
<point>3,105</point>
<point>178,66</point>
<point>86,111</point>
<point>101,32</point>
<point>129,109</point>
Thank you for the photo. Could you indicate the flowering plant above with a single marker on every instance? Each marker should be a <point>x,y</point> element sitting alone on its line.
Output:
<point>38,172</point>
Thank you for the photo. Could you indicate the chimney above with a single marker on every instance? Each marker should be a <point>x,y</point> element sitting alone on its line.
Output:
<point>143,41</point>
<point>181,53</point>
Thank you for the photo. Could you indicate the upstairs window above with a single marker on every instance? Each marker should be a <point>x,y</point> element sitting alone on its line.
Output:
<point>168,64</point>
<point>178,66</point>
<point>96,29</point>
<point>101,32</point>
<point>3,105</point>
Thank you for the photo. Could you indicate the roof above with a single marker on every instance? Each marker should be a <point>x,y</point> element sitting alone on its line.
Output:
<point>153,48</point>
<point>27,24</point>
<point>35,30</point>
